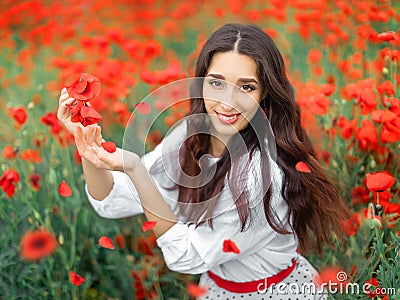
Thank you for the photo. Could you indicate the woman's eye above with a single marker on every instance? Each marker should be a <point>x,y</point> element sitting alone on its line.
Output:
<point>216,83</point>
<point>247,88</point>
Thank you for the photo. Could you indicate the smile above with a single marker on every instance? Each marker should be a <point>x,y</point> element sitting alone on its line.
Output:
<point>228,119</point>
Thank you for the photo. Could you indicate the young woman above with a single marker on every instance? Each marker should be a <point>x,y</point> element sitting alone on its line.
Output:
<point>243,229</point>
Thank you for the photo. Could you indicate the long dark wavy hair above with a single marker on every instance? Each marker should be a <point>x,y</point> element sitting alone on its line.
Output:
<point>315,207</point>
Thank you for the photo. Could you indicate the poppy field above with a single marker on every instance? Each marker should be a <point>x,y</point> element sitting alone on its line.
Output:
<point>342,57</point>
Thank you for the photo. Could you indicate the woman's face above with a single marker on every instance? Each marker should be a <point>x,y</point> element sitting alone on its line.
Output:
<point>231,92</point>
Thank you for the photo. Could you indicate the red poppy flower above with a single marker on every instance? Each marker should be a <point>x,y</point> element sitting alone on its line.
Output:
<point>352,225</point>
<point>148,226</point>
<point>382,116</point>
<point>31,156</point>
<point>9,152</point>
<point>8,181</point>
<point>196,290</point>
<point>85,87</point>
<point>360,195</point>
<point>379,181</point>
<point>367,135</point>
<point>75,278</point>
<point>393,104</point>
<point>301,166</point>
<point>120,241</point>
<point>230,246</point>
<point>387,36</point>
<point>314,56</point>
<point>19,115</point>
<point>327,89</point>
<point>106,242</point>
<point>386,88</point>
<point>83,113</point>
<point>36,245</point>
<point>347,127</point>
<point>391,130</point>
<point>34,180</point>
<point>109,146</point>
<point>50,119</point>
<point>64,190</point>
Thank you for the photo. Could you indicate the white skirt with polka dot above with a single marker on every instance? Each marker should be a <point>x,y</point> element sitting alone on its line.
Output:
<point>300,284</point>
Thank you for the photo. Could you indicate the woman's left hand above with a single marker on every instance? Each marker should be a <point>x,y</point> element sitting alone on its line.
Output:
<point>89,147</point>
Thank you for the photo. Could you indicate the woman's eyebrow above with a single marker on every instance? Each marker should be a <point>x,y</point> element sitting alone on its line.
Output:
<point>246,80</point>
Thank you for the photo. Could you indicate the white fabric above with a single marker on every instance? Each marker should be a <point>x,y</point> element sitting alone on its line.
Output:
<point>186,249</point>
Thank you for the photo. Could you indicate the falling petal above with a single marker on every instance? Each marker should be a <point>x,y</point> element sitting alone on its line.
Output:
<point>106,242</point>
<point>230,246</point>
<point>64,189</point>
<point>301,166</point>
<point>196,290</point>
<point>148,226</point>
<point>76,279</point>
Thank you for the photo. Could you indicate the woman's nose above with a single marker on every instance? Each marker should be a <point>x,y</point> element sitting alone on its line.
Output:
<point>227,106</point>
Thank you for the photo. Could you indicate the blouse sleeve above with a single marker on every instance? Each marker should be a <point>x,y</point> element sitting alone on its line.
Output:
<point>123,200</point>
<point>192,250</point>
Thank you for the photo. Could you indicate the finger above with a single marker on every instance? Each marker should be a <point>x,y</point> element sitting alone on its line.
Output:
<point>90,135</point>
<point>91,155</point>
<point>80,140</point>
<point>69,101</point>
<point>99,157</point>
<point>62,109</point>
<point>64,97</point>
<point>63,91</point>
<point>99,138</point>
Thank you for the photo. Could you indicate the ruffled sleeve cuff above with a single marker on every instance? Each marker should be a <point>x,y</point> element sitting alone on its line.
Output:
<point>122,201</point>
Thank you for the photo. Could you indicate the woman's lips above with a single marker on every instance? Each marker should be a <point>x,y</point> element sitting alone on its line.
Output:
<point>228,119</point>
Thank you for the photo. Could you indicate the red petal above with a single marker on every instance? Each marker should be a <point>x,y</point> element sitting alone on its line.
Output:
<point>143,108</point>
<point>230,246</point>
<point>387,36</point>
<point>89,112</point>
<point>106,242</point>
<point>148,226</point>
<point>89,77</point>
<point>89,116</point>
<point>301,166</point>
<point>76,279</point>
<point>64,189</point>
<point>79,86</point>
<point>85,87</point>
<point>379,181</point>
<point>109,146</point>
<point>76,107</point>
<point>196,290</point>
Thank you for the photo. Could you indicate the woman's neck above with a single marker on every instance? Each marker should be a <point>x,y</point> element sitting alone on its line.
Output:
<point>217,145</point>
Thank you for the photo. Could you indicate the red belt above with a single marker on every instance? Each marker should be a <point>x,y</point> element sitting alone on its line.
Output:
<point>251,286</point>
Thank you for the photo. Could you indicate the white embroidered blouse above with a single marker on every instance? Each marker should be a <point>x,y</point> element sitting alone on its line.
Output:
<point>186,249</point>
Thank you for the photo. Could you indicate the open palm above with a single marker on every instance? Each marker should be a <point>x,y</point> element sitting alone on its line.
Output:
<point>89,147</point>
